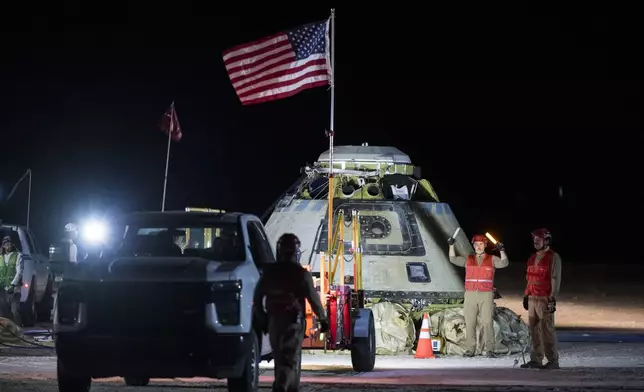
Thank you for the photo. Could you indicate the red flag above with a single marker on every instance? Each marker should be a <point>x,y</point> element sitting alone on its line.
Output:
<point>170,124</point>
<point>280,65</point>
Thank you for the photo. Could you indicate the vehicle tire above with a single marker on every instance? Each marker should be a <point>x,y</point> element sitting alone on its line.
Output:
<point>363,350</point>
<point>70,382</point>
<point>249,379</point>
<point>137,381</point>
<point>28,308</point>
<point>43,309</point>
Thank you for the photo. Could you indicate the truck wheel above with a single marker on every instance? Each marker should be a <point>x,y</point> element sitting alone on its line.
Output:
<point>249,379</point>
<point>70,382</point>
<point>43,309</point>
<point>363,350</point>
<point>27,309</point>
<point>137,381</point>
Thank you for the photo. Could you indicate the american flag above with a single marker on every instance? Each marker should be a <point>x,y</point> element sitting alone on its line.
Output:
<point>170,124</point>
<point>280,65</point>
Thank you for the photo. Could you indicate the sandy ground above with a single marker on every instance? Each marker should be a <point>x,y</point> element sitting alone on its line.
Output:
<point>591,296</point>
<point>46,386</point>
<point>585,366</point>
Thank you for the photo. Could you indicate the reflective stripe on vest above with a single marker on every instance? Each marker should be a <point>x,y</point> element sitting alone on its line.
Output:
<point>539,275</point>
<point>8,269</point>
<point>479,277</point>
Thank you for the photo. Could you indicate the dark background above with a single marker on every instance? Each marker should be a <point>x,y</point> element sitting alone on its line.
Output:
<point>501,112</point>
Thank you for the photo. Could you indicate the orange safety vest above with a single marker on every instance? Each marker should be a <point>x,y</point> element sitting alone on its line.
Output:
<point>539,275</point>
<point>479,277</point>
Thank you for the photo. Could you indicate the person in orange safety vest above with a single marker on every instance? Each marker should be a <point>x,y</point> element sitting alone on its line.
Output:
<point>543,278</point>
<point>480,268</point>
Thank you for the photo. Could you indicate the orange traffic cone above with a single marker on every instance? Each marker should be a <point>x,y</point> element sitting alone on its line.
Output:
<point>424,349</point>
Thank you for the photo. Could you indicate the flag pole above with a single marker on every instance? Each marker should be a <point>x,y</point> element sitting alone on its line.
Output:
<point>167,157</point>
<point>331,130</point>
<point>15,187</point>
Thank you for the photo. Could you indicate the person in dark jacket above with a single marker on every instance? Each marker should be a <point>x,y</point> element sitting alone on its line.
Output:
<point>286,285</point>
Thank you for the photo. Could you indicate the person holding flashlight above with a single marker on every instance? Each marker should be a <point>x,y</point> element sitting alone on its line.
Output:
<point>543,277</point>
<point>71,236</point>
<point>480,268</point>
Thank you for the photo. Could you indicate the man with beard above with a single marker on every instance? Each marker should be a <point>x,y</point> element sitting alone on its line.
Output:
<point>543,281</point>
<point>480,268</point>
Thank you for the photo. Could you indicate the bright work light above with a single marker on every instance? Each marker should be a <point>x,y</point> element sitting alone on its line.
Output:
<point>94,232</point>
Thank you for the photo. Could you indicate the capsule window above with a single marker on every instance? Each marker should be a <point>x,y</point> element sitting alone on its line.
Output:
<point>418,273</point>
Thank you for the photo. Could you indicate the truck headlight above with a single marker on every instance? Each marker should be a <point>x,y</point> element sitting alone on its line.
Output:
<point>68,304</point>
<point>226,285</point>
<point>226,295</point>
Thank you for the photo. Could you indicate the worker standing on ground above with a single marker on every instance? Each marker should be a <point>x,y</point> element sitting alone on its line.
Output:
<point>479,291</point>
<point>71,236</point>
<point>286,285</point>
<point>11,269</point>
<point>543,281</point>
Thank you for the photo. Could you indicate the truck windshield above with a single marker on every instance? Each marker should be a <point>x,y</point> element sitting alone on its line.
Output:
<point>213,242</point>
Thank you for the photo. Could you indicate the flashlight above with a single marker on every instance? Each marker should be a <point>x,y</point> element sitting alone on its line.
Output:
<point>489,237</point>
<point>458,229</point>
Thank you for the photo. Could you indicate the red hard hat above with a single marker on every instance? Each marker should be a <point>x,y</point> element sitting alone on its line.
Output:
<point>542,233</point>
<point>479,238</point>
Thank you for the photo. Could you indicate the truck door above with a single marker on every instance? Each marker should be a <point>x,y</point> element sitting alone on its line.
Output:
<point>41,265</point>
<point>261,251</point>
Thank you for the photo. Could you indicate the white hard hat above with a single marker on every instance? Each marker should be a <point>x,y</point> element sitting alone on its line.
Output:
<point>70,227</point>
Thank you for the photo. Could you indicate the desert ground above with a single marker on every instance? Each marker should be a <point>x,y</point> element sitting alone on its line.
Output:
<point>592,296</point>
<point>585,366</point>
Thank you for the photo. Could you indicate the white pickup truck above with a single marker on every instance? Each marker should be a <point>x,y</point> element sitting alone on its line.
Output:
<point>172,299</point>
<point>36,299</point>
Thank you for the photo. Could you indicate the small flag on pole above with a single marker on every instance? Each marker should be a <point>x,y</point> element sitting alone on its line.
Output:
<point>170,124</point>
<point>280,65</point>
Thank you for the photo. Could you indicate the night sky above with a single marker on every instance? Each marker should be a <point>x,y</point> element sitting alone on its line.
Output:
<point>501,113</point>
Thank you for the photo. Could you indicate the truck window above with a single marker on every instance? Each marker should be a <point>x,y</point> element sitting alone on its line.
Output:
<point>257,246</point>
<point>178,240</point>
<point>35,244</point>
<point>266,245</point>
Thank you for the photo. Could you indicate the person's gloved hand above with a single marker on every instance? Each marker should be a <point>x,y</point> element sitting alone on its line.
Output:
<point>10,289</point>
<point>552,305</point>
<point>324,326</point>
<point>500,247</point>
<point>451,241</point>
<point>497,295</point>
<point>525,302</point>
